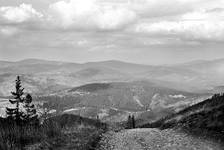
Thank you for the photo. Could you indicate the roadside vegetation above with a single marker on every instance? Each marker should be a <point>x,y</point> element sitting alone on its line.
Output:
<point>23,129</point>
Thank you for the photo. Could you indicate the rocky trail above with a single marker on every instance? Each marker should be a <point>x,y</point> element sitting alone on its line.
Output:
<point>154,139</point>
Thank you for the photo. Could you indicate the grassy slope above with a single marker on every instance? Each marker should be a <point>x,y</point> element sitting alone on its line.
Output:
<point>59,132</point>
<point>203,119</point>
<point>137,96</point>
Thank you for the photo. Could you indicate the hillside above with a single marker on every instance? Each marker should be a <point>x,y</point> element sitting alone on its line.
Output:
<point>114,101</point>
<point>205,118</point>
<point>45,77</point>
<point>59,132</point>
<point>138,95</point>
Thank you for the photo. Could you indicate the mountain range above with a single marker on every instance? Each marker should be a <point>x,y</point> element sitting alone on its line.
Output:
<point>114,89</point>
<point>45,77</point>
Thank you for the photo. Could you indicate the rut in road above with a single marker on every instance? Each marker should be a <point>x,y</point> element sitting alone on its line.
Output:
<point>154,139</point>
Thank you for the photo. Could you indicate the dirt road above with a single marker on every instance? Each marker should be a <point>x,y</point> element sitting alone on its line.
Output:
<point>154,139</point>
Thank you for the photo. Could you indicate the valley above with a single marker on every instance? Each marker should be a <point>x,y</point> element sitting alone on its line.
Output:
<point>46,77</point>
<point>111,89</point>
<point>159,98</point>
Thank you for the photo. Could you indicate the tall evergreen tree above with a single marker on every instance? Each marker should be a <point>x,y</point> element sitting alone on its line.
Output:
<point>97,118</point>
<point>133,121</point>
<point>129,122</point>
<point>30,113</point>
<point>15,113</point>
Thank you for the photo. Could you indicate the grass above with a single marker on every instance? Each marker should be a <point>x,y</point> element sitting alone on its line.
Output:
<point>62,132</point>
<point>13,137</point>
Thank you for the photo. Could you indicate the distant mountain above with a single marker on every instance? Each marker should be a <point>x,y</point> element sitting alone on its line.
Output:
<point>113,89</point>
<point>5,64</point>
<point>212,67</point>
<point>116,100</point>
<point>219,89</point>
<point>120,66</point>
<point>45,77</point>
<point>138,95</point>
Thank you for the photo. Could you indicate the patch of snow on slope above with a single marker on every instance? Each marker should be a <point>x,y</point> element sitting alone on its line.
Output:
<point>103,113</point>
<point>52,111</point>
<point>74,109</point>
<point>177,96</point>
<point>113,108</point>
<point>70,110</point>
<point>138,101</point>
<point>2,112</point>
<point>155,96</point>
<point>80,93</point>
<point>157,101</point>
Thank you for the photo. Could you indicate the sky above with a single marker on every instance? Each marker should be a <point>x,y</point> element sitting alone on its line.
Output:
<point>140,31</point>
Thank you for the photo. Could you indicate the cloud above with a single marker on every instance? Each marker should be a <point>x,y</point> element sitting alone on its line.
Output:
<point>95,15</point>
<point>113,15</point>
<point>161,21</point>
<point>161,8</point>
<point>201,26</point>
<point>18,14</point>
<point>154,8</point>
<point>8,31</point>
<point>82,42</point>
<point>86,14</point>
<point>214,14</point>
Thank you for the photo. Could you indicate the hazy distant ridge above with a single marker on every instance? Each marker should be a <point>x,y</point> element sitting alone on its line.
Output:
<point>42,76</point>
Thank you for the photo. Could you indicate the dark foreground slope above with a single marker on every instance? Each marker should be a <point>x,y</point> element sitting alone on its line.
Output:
<point>203,119</point>
<point>58,133</point>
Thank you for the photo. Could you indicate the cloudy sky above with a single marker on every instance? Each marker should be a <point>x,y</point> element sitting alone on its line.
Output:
<point>140,31</point>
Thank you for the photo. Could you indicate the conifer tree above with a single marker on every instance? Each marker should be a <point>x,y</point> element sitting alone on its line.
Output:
<point>133,121</point>
<point>30,113</point>
<point>15,113</point>
<point>97,118</point>
<point>129,122</point>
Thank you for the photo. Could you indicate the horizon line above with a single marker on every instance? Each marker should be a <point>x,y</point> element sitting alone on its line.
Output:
<point>108,60</point>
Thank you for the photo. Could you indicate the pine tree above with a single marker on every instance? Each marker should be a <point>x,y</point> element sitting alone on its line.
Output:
<point>97,118</point>
<point>15,113</point>
<point>133,121</point>
<point>30,114</point>
<point>129,124</point>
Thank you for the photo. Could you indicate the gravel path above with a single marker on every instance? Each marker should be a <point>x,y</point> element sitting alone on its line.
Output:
<point>154,139</point>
